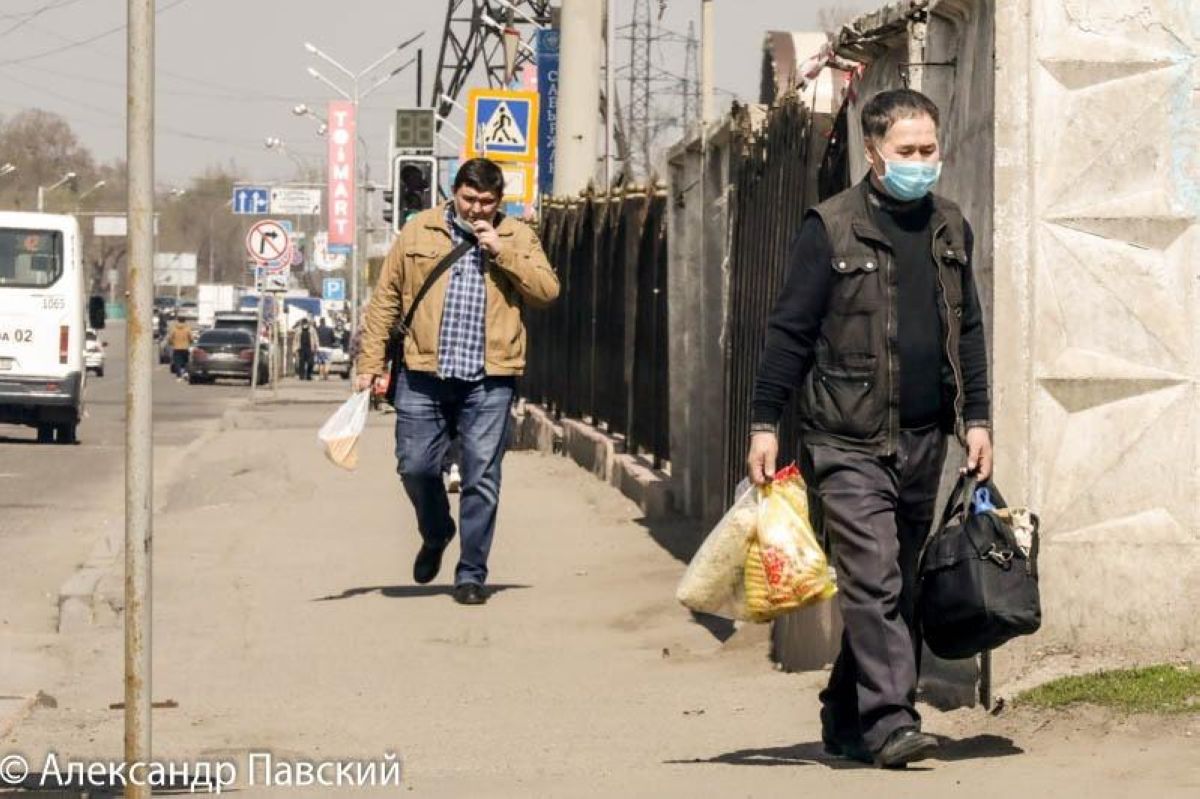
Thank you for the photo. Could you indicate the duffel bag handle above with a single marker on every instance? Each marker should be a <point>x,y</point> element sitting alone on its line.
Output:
<point>959,500</point>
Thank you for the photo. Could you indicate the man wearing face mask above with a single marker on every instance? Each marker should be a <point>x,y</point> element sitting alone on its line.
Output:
<point>879,326</point>
<point>461,357</point>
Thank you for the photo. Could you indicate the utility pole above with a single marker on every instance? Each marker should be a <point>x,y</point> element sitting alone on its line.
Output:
<point>579,96</point>
<point>609,88</point>
<point>638,113</point>
<point>139,433</point>
<point>707,47</point>
<point>689,86</point>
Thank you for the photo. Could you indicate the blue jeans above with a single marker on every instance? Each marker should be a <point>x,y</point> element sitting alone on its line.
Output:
<point>429,411</point>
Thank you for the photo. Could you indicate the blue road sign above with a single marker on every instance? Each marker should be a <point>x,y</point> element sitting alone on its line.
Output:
<point>251,200</point>
<point>341,249</point>
<point>547,71</point>
<point>334,288</point>
<point>502,124</point>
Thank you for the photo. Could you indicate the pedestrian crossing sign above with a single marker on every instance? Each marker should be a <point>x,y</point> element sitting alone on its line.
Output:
<point>502,124</point>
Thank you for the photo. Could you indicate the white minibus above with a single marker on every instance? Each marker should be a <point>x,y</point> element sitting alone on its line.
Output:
<point>42,327</point>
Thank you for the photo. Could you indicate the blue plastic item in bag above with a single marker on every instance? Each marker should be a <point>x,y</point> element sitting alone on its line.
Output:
<point>982,501</point>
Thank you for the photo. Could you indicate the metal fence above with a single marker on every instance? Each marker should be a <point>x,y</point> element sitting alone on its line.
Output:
<point>600,353</point>
<point>769,177</point>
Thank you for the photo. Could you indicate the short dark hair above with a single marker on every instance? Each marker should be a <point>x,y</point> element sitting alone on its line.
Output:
<point>882,111</point>
<point>480,174</point>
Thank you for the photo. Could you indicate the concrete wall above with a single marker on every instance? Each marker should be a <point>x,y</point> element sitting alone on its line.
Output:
<point>1096,350</point>
<point>698,288</point>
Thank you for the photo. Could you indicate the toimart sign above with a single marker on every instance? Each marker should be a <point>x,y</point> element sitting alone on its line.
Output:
<point>341,137</point>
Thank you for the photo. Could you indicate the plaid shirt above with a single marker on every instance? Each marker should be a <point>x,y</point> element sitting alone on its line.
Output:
<point>463,334</point>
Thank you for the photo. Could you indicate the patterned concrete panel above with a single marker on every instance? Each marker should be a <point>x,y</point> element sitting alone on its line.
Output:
<point>1100,375</point>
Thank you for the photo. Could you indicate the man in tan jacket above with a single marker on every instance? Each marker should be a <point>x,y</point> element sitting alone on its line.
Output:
<point>181,345</point>
<point>461,358</point>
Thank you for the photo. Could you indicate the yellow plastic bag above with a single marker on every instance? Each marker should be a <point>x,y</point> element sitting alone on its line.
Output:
<point>785,566</point>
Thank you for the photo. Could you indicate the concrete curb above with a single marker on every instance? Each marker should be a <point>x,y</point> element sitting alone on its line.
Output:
<point>601,454</point>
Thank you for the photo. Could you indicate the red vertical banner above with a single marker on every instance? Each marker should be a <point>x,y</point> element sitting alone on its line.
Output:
<point>341,137</point>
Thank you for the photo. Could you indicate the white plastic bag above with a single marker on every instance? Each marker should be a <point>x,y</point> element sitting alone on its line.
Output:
<point>713,582</point>
<point>339,435</point>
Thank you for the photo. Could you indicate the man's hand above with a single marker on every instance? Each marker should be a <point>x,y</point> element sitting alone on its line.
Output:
<point>364,382</point>
<point>979,452</point>
<point>760,463</point>
<point>489,239</point>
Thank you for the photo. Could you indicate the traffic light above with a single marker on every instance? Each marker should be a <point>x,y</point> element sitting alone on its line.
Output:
<point>389,206</point>
<point>414,187</point>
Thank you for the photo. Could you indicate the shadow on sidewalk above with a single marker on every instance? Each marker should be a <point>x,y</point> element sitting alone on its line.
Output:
<point>410,591</point>
<point>678,536</point>
<point>805,754</point>
<point>975,747</point>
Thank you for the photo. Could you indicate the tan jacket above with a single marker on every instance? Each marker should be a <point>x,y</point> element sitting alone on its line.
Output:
<point>519,276</point>
<point>181,336</point>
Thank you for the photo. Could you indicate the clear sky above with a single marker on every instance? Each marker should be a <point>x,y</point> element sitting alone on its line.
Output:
<point>229,71</point>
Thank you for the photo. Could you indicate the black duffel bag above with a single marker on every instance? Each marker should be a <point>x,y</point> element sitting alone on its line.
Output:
<point>978,588</point>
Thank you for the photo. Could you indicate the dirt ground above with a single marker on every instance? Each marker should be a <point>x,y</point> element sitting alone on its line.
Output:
<point>286,621</point>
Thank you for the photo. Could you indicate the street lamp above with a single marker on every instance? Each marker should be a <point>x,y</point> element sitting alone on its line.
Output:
<point>355,96</point>
<point>79,200</point>
<point>44,190</point>
<point>280,146</point>
<point>303,110</point>
<point>7,169</point>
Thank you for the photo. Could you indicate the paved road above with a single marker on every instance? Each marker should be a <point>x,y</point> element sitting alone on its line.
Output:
<point>56,501</point>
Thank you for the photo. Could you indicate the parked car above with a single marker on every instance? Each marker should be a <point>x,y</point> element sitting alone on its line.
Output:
<point>93,353</point>
<point>227,353</point>
<point>339,361</point>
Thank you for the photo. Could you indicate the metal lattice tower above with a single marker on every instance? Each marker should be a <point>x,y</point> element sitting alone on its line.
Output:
<point>637,113</point>
<point>474,37</point>
<point>689,84</point>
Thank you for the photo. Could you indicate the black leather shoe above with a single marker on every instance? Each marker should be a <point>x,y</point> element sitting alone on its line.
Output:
<point>469,594</point>
<point>428,563</point>
<point>905,745</point>
<point>851,750</point>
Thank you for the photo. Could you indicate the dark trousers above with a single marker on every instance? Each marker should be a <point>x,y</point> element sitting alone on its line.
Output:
<point>304,365</point>
<point>179,360</point>
<point>429,411</point>
<point>877,512</point>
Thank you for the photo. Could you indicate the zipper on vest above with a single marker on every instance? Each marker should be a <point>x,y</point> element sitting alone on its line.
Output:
<point>958,380</point>
<point>892,336</point>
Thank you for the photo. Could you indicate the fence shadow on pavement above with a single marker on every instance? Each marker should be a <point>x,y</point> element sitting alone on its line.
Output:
<point>679,536</point>
<point>410,591</point>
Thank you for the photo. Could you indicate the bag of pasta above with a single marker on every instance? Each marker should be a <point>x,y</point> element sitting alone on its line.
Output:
<point>785,567</point>
<point>713,582</point>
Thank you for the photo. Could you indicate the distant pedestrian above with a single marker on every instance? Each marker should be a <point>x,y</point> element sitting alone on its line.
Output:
<point>460,360</point>
<point>306,348</point>
<point>180,342</point>
<point>879,326</point>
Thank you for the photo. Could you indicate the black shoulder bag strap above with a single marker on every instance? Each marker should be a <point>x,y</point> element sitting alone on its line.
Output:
<point>402,328</point>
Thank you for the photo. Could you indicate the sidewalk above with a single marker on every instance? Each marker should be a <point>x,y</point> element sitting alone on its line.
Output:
<point>286,621</point>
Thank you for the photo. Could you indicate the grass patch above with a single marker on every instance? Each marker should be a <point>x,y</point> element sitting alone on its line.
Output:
<point>1154,689</point>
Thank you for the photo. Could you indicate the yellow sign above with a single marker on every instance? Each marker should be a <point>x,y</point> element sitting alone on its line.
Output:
<point>519,182</point>
<point>502,124</point>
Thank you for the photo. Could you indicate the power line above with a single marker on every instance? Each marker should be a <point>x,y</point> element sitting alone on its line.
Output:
<point>83,42</point>
<point>29,16</point>
<point>34,12</point>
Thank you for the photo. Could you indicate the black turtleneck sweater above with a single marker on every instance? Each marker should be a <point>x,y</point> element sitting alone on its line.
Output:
<point>795,322</point>
<point>919,330</point>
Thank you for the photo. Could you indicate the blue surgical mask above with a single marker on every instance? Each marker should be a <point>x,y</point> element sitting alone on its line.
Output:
<point>910,180</point>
